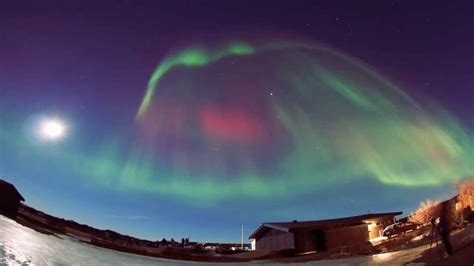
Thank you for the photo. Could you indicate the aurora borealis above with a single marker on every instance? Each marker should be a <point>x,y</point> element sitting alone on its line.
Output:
<point>222,131</point>
<point>311,109</point>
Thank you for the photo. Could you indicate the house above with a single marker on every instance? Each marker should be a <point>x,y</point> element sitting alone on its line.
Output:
<point>10,199</point>
<point>458,207</point>
<point>310,236</point>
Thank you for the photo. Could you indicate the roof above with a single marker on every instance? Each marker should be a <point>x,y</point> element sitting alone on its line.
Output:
<point>319,224</point>
<point>10,190</point>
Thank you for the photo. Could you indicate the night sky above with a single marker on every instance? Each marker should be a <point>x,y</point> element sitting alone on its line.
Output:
<point>191,118</point>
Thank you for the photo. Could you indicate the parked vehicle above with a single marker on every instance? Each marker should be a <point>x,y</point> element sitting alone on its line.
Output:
<point>398,228</point>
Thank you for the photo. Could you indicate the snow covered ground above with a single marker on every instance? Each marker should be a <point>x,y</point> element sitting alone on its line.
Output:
<point>20,245</point>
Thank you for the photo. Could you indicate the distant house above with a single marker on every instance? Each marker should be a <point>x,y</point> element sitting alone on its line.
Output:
<point>10,199</point>
<point>309,236</point>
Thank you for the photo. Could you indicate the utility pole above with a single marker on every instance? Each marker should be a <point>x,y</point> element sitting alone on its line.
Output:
<point>242,239</point>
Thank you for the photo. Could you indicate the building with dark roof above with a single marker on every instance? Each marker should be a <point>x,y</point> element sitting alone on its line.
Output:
<point>309,236</point>
<point>10,199</point>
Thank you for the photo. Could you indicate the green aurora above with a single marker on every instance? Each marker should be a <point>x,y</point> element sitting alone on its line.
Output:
<point>338,122</point>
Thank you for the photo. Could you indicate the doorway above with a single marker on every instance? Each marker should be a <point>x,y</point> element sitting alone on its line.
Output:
<point>319,239</point>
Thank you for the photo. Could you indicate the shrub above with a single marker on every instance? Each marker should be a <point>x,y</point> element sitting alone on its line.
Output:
<point>466,192</point>
<point>428,209</point>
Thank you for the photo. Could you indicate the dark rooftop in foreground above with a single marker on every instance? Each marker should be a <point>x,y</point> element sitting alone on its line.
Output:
<point>9,191</point>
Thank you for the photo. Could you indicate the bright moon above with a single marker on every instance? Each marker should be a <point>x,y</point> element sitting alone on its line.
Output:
<point>52,129</point>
